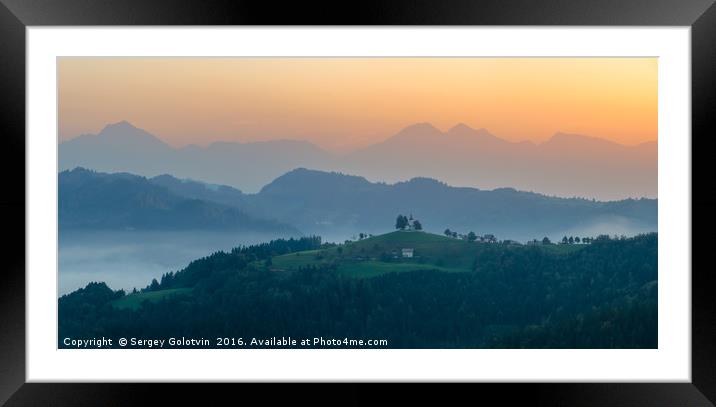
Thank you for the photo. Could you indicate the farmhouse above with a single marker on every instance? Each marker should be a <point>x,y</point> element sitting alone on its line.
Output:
<point>407,252</point>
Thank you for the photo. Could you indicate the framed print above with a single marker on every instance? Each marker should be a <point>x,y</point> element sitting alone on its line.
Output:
<point>449,193</point>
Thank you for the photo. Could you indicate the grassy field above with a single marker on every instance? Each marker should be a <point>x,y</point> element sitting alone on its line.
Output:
<point>435,249</point>
<point>369,268</point>
<point>134,301</point>
<point>563,248</point>
<point>387,245</point>
<point>382,254</point>
<point>293,261</point>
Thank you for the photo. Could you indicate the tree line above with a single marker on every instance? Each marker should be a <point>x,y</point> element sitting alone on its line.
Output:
<point>604,295</point>
<point>402,222</point>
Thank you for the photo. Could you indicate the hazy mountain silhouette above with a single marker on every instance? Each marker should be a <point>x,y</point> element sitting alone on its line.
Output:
<point>564,165</point>
<point>92,200</point>
<point>334,204</point>
<point>249,166</point>
<point>118,147</point>
<point>325,203</point>
<point>191,189</point>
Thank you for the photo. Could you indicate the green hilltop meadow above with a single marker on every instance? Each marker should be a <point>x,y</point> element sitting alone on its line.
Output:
<point>373,256</point>
<point>411,288</point>
<point>381,254</point>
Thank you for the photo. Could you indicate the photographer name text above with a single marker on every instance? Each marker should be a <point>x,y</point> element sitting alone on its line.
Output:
<point>221,342</point>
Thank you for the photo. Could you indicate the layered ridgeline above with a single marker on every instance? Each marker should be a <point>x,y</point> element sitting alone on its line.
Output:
<point>121,147</point>
<point>332,203</point>
<point>340,206</point>
<point>564,165</point>
<point>450,294</point>
<point>89,200</point>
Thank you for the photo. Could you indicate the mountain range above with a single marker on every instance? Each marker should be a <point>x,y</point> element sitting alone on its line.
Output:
<point>336,205</point>
<point>565,165</point>
<point>97,201</point>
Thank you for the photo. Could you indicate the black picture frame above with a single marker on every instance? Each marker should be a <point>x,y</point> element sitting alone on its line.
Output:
<point>16,15</point>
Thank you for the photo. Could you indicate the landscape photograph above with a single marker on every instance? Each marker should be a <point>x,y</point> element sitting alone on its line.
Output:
<point>357,203</point>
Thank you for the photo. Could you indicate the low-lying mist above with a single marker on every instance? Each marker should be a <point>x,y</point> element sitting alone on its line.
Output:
<point>129,259</point>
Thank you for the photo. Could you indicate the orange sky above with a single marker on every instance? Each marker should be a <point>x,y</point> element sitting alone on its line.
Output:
<point>346,103</point>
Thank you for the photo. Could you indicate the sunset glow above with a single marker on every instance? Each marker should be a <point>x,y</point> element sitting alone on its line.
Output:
<point>342,104</point>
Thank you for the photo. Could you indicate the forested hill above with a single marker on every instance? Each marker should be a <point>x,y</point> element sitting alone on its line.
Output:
<point>601,295</point>
<point>338,206</point>
<point>318,202</point>
<point>94,200</point>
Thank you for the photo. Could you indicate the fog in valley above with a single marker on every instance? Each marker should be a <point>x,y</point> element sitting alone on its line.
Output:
<point>128,259</point>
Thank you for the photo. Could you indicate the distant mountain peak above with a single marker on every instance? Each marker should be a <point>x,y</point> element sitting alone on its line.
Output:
<point>418,131</point>
<point>125,129</point>
<point>460,127</point>
<point>120,126</point>
<point>419,128</point>
<point>464,129</point>
<point>125,134</point>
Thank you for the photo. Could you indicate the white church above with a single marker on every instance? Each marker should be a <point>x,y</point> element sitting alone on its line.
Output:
<point>411,223</point>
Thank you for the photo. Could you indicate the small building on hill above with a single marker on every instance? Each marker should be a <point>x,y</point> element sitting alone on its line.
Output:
<point>411,223</point>
<point>407,252</point>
